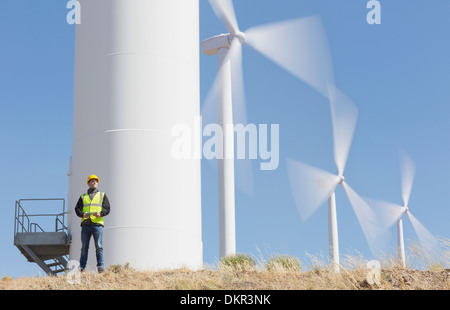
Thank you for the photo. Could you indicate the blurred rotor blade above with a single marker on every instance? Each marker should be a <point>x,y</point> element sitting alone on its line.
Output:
<point>243,170</point>
<point>310,186</point>
<point>224,10</point>
<point>429,243</point>
<point>389,213</point>
<point>243,166</point>
<point>209,107</point>
<point>374,232</point>
<point>299,46</point>
<point>344,115</point>
<point>408,172</point>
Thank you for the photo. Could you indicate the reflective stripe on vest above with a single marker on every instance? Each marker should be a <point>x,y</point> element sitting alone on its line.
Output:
<point>94,205</point>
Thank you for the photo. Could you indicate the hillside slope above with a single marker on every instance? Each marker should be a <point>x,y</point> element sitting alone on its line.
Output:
<point>184,279</point>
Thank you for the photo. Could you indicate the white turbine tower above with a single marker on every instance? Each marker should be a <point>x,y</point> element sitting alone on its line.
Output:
<point>133,83</point>
<point>298,45</point>
<point>394,213</point>
<point>312,186</point>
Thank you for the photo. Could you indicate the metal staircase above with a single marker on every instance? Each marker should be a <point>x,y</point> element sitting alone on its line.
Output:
<point>48,249</point>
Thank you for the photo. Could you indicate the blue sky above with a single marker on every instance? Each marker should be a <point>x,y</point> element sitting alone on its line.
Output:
<point>397,73</point>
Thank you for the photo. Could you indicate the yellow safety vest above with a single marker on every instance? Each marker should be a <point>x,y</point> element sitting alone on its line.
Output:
<point>94,205</point>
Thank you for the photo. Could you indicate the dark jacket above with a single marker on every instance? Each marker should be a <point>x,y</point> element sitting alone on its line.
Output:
<point>79,208</point>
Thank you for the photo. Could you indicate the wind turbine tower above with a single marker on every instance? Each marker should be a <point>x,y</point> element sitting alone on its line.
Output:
<point>136,76</point>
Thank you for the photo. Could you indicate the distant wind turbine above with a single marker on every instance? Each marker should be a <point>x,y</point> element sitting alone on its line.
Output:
<point>393,213</point>
<point>312,186</point>
<point>298,45</point>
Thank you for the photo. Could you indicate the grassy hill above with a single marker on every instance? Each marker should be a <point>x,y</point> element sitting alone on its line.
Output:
<point>242,273</point>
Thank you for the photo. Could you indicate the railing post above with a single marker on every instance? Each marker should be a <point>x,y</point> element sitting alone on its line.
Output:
<point>15,217</point>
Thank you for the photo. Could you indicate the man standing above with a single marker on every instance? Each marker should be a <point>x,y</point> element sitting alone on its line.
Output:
<point>92,207</point>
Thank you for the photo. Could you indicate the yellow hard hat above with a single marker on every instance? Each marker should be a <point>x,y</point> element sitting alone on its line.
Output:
<point>93,176</point>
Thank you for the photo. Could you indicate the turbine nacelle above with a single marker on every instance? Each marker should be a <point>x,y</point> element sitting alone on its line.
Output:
<point>211,46</point>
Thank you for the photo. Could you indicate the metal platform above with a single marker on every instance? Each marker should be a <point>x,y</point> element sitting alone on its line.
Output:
<point>48,249</point>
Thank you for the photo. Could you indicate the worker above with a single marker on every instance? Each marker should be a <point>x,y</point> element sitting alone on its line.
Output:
<point>92,207</point>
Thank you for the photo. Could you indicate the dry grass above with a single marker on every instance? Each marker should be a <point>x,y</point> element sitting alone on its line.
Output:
<point>353,276</point>
<point>184,279</point>
<point>245,272</point>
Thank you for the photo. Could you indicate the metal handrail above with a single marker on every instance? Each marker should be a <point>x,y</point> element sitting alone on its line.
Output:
<point>23,223</point>
<point>35,225</point>
<point>57,220</point>
<point>17,221</point>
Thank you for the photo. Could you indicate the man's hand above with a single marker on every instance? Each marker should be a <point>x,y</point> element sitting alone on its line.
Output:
<point>85,216</point>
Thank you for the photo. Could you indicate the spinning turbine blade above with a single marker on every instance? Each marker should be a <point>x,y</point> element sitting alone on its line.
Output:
<point>299,46</point>
<point>209,108</point>
<point>310,186</point>
<point>243,167</point>
<point>344,115</point>
<point>428,242</point>
<point>368,220</point>
<point>244,176</point>
<point>224,10</point>
<point>389,213</point>
<point>408,171</point>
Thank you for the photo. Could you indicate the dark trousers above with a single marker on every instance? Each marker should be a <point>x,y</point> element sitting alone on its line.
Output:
<point>88,231</point>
